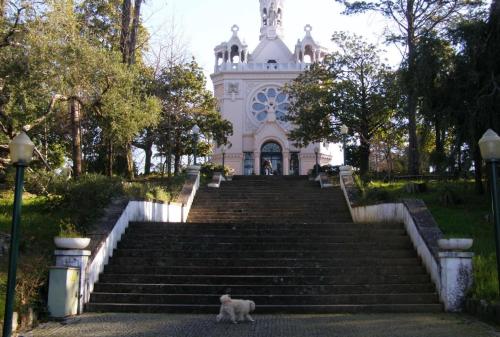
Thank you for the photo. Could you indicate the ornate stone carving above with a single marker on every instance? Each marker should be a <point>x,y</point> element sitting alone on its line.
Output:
<point>233,88</point>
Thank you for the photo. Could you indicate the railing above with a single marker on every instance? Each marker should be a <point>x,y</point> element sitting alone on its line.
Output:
<point>239,67</point>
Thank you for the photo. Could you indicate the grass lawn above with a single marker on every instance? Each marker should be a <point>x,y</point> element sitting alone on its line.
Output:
<point>466,219</point>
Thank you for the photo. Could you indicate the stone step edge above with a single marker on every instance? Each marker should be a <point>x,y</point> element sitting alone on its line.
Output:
<point>249,276</point>
<point>426,293</point>
<point>339,308</point>
<point>270,285</point>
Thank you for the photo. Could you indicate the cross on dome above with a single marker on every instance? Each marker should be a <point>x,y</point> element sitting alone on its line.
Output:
<point>235,29</point>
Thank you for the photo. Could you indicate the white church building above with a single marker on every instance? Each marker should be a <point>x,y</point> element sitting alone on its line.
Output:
<point>248,86</point>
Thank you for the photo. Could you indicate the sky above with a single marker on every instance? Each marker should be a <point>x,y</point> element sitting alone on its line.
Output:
<point>204,24</point>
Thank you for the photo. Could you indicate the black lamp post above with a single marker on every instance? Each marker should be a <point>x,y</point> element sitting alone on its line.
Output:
<point>21,151</point>
<point>489,145</point>
<point>196,132</point>
<point>343,131</point>
<point>316,152</point>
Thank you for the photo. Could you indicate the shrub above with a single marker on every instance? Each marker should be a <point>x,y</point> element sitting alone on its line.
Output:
<point>135,191</point>
<point>86,197</point>
<point>157,193</point>
<point>39,182</point>
<point>31,281</point>
<point>68,229</point>
<point>375,195</point>
<point>208,169</point>
<point>147,191</point>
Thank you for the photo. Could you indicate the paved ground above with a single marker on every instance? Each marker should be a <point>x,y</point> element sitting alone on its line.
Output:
<point>377,325</point>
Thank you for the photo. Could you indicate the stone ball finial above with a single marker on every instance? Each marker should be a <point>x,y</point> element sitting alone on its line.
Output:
<point>308,29</point>
<point>235,29</point>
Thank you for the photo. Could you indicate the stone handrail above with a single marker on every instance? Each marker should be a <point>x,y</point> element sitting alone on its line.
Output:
<point>450,271</point>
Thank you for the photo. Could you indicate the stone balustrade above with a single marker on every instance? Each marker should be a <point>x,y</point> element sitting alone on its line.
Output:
<point>259,67</point>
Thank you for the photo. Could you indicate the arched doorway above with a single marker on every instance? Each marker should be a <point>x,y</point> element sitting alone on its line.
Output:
<point>271,159</point>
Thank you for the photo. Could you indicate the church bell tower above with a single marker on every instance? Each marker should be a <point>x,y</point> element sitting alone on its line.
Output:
<point>271,13</point>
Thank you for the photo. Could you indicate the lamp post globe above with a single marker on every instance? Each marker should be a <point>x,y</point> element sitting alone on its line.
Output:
<point>489,146</point>
<point>21,151</point>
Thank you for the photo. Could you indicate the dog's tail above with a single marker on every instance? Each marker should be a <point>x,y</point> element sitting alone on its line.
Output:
<point>252,305</point>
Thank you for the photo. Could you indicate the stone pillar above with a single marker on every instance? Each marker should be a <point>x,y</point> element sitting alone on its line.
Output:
<point>456,278</point>
<point>77,259</point>
<point>286,163</point>
<point>346,170</point>
<point>193,170</point>
<point>256,165</point>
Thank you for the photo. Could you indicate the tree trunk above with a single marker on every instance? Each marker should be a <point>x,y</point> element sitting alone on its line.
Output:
<point>110,151</point>
<point>495,9</point>
<point>364,151</point>
<point>76,137</point>
<point>130,160</point>
<point>135,31</point>
<point>413,152</point>
<point>168,154</point>
<point>2,8</point>
<point>478,171</point>
<point>125,30</point>
<point>177,164</point>
<point>439,146</point>
<point>148,149</point>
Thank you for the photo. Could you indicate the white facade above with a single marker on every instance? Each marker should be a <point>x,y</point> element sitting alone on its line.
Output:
<point>248,88</point>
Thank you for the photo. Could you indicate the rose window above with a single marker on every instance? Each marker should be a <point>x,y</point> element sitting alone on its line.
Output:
<point>268,100</point>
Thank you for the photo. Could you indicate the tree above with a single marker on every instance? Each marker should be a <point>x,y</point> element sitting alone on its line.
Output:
<point>169,50</point>
<point>475,88</point>
<point>433,64</point>
<point>186,102</point>
<point>350,87</point>
<point>414,19</point>
<point>52,62</point>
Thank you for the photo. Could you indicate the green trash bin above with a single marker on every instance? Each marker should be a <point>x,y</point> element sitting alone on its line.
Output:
<point>63,291</point>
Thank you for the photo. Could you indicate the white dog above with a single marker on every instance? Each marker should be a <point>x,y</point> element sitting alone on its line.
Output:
<point>235,310</point>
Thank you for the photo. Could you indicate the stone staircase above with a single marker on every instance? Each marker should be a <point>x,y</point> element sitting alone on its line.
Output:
<point>280,241</point>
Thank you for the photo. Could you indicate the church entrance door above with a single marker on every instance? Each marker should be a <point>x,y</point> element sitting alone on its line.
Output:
<point>271,159</point>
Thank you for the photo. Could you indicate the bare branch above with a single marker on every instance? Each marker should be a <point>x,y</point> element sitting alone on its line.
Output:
<point>42,158</point>
<point>10,33</point>
<point>50,108</point>
<point>5,130</point>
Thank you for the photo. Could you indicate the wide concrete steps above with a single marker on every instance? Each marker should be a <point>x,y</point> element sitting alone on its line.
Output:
<point>293,268</point>
<point>278,200</point>
<point>280,241</point>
